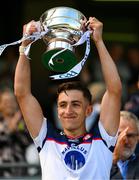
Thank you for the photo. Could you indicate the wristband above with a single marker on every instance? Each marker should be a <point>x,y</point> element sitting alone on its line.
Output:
<point>22,50</point>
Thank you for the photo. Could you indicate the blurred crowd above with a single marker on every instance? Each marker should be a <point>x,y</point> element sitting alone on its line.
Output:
<point>15,142</point>
<point>126,59</point>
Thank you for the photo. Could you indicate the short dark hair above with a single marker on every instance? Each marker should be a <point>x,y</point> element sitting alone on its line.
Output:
<point>75,85</point>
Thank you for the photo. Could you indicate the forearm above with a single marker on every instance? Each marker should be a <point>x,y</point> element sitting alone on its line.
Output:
<point>109,69</point>
<point>22,83</point>
<point>116,153</point>
<point>115,158</point>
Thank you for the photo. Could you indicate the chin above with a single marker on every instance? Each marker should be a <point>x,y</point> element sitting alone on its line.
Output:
<point>128,153</point>
<point>70,127</point>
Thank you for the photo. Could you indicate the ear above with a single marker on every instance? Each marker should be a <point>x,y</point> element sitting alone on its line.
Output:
<point>89,110</point>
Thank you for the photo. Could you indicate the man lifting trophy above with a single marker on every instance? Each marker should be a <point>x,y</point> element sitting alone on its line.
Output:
<point>72,153</point>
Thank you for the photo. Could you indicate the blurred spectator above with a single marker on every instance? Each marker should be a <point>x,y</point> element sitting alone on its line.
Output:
<point>132,103</point>
<point>133,60</point>
<point>138,82</point>
<point>85,76</point>
<point>13,135</point>
<point>32,158</point>
<point>97,90</point>
<point>9,153</point>
<point>9,110</point>
<point>125,161</point>
<point>7,66</point>
<point>117,51</point>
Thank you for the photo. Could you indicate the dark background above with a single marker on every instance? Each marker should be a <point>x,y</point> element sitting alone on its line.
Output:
<point>120,20</point>
<point>118,16</point>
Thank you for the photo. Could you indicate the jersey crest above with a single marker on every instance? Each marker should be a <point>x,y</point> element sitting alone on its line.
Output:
<point>74,156</point>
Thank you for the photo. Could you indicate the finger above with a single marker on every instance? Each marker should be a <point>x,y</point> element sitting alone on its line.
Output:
<point>123,133</point>
<point>126,130</point>
<point>93,19</point>
<point>27,28</point>
<point>87,23</point>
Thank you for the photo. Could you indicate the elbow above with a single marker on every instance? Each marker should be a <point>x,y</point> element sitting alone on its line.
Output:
<point>19,91</point>
<point>116,89</point>
<point>119,88</point>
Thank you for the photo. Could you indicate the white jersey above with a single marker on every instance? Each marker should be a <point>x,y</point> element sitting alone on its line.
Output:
<point>84,158</point>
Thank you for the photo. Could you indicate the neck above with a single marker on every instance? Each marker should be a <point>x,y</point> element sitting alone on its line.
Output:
<point>75,133</point>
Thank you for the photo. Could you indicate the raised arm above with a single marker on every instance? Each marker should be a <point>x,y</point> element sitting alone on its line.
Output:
<point>111,102</point>
<point>29,106</point>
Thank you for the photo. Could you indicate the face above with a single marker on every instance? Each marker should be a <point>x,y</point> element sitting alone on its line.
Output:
<point>131,139</point>
<point>8,103</point>
<point>73,109</point>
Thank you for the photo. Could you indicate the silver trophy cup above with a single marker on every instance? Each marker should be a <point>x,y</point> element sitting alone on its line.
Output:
<point>66,26</point>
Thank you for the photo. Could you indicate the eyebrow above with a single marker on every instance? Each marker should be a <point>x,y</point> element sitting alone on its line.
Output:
<point>74,101</point>
<point>129,134</point>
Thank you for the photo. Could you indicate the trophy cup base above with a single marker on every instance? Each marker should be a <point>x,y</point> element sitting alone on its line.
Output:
<point>63,62</point>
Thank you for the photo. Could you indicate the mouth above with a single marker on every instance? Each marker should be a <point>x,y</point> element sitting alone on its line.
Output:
<point>69,117</point>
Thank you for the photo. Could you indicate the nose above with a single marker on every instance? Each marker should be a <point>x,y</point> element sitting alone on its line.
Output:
<point>69,109</point>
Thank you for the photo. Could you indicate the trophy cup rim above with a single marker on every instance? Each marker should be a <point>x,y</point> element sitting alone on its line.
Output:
<point>62,7</point>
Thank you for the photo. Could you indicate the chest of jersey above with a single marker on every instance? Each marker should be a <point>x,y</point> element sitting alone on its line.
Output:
<point>77,161</point>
